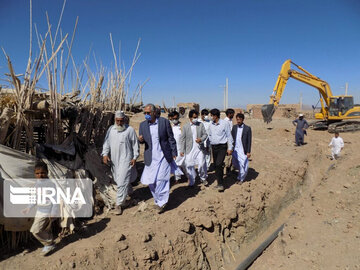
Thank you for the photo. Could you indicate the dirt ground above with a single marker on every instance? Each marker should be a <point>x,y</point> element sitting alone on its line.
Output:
<point>317,199</point>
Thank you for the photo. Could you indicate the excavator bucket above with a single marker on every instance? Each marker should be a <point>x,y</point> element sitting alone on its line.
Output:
<point>268,111</point>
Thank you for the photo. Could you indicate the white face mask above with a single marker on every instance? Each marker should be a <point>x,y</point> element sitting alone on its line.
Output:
<point>175,121</point>
<point>206,118</point>
<point>194,120</point>
<point>211,119</point>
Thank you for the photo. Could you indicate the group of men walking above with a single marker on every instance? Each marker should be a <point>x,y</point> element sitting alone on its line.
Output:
<point>175,148</point>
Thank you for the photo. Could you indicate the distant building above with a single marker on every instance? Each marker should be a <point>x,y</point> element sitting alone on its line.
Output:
<point>184,108</point>
<point>282,111</point>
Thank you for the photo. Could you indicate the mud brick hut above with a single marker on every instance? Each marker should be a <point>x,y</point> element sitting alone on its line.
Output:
<point>283,111</point>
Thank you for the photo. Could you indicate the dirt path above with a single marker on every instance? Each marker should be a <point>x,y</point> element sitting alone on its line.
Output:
<point>204,229</point>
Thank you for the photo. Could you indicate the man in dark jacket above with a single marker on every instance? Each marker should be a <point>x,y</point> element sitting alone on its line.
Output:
<point>160,151</point>
<point>242,147</point>
<point>301,126</point>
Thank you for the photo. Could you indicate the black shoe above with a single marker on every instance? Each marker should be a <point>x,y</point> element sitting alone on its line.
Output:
<point>161,209</point>
<point>205,182</point>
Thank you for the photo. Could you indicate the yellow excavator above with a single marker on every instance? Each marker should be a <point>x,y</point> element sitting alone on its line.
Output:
<point>338,113</point>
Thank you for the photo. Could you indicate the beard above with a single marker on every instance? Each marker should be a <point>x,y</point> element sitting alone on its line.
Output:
<point>120,128</point>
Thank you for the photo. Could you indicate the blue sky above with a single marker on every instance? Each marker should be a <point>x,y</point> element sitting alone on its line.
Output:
<point>189,47</point>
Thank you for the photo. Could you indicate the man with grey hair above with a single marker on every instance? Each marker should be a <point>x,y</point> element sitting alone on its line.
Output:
<point>122,144</point>
<point>160,152</point>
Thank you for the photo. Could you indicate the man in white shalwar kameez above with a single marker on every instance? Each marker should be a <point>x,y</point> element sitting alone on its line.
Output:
<point>206,122</point>
<point>192,147</point>
<point>228,159</point>
<point>242,151</point>
<point>176,128</point>
<point>160,153</point>
<point>337,144</point>
<point>122,144</point>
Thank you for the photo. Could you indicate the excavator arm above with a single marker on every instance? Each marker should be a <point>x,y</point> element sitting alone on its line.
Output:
<point>304,76</point>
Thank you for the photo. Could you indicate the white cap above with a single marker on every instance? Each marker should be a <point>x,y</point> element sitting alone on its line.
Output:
<point>301,115</point>
<point>119,114</point>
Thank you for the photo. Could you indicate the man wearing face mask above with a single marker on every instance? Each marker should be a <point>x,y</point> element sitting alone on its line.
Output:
<point>205,119</point>
<point>122,144</point>
<point>229,119</point>
<point>176,128</point>
<point>160,153</point>
<point>222,144</point>
<point>192,147</point>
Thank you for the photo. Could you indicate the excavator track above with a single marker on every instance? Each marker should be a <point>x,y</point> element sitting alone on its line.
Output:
<point>344,126</point>
<point>318,125</point>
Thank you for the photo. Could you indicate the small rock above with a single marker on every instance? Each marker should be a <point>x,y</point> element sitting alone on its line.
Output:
<point>121,237</point>
<point>151,255</point>
<point>232,214</point>
<point>73,253</point>
<point>73,265</point>
<point>186,227</point>
<point>147,256</point>
<point>207,222</point>
<point>146,238</point>
<point>347,185</point>
<point>122,247</point>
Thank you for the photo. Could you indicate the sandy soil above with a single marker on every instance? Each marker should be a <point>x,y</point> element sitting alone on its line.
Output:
<point>317,198</point>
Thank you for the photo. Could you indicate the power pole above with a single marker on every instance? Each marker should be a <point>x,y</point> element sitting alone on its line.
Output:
<point>346,88</point>
<point>224,97</point>
<point>227,93</point>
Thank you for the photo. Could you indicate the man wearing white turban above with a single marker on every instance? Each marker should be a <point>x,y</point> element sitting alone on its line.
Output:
<point>122,144</point>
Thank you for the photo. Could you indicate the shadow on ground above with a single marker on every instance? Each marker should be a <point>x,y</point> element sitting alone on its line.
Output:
<point>84,232</point>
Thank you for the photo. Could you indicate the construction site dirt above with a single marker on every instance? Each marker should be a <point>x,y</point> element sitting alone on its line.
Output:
<point>317,199</point>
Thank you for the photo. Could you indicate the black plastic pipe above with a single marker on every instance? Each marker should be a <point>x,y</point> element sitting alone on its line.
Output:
<point>257,252</point>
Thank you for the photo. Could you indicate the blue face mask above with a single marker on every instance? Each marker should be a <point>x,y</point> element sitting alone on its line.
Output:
<point>147,117</point>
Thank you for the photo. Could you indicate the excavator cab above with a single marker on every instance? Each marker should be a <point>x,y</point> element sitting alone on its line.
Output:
<point>340,105</point>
